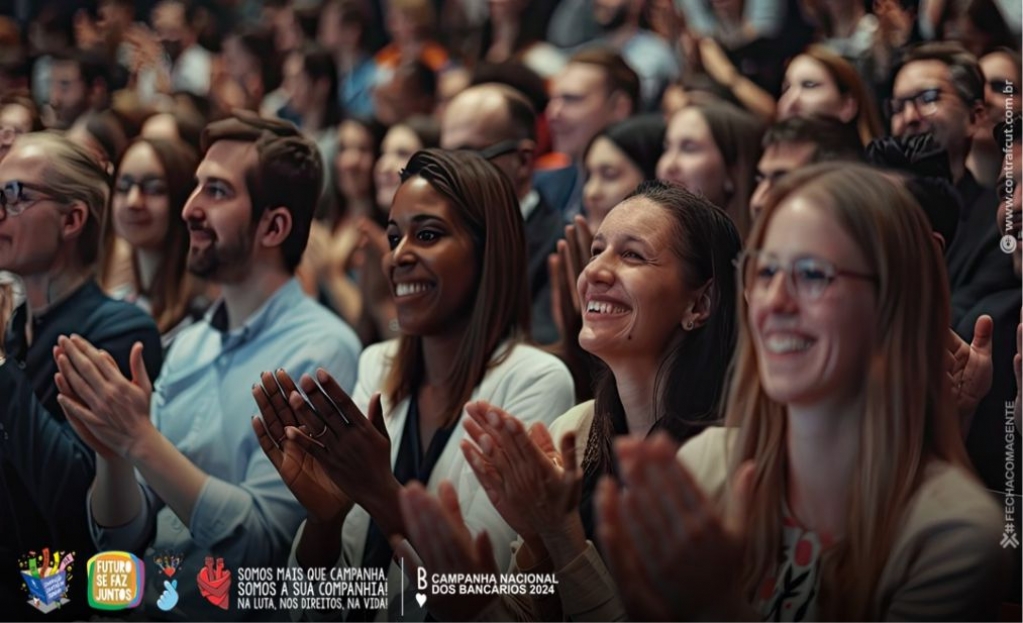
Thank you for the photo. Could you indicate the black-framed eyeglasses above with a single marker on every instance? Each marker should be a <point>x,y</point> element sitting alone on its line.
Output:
<point>806,277</point>
<point>1003,87</point>
<point>498,149</point>
<point>149,186</point>
<point>13,200</point>
<point>925,102</point>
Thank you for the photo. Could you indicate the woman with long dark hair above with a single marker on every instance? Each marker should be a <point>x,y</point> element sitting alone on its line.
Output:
<point>658,297</point>
<point>456,238</point>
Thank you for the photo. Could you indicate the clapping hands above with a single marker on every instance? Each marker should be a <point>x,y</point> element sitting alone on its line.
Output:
<point>674,555</point>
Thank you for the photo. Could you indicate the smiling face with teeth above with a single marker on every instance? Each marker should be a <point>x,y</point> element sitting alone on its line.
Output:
<point>633,290</point>
<point>812,352</point>
<point>433,263</point>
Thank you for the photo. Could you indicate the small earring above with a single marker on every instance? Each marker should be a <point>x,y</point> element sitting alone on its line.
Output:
<point>688,326</point>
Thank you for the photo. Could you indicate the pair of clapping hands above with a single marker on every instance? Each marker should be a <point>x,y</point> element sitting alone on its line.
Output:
<point>656,532</point>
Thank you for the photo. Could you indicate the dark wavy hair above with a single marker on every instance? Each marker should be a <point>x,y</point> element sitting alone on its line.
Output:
<point>484,201</point>
<point>691,377</point>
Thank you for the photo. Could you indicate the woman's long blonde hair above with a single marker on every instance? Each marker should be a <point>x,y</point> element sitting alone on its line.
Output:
<point>908,418</point>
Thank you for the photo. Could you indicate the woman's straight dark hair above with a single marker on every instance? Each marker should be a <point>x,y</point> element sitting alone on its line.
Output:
<point>690,380</point>
<point>483,199</point>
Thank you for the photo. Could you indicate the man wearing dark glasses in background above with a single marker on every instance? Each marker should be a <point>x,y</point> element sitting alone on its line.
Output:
<point>499,123</point>
<point>52,200</point>
<point>940,89</point>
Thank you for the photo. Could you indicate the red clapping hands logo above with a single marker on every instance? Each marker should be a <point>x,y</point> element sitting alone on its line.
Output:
<point>215,583</point>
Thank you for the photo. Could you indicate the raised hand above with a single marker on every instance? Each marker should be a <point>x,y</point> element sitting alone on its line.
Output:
<point>302,473</point>
<point>895,24</point>
<point>374,285</point>
<point>534,487</point>
<point>577,251</point>
<point>103,406</point>
<point>443,543</point>
<point>353,450</point>
<point>673,554</point>
<point>970,369</point>
<point>564,268</point>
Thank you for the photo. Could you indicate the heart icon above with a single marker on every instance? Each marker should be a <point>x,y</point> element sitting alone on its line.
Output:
<point>169,571</point>
<point>421,598</point>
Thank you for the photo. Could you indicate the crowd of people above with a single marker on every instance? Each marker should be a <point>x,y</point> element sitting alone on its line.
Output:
<point>706,309</point>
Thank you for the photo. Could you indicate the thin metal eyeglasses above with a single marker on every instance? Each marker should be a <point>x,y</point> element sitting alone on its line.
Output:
<point>806,277</point>
<point>13,200</point>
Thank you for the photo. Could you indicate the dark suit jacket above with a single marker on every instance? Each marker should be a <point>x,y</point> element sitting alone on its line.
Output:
<point>45,469</point>
<point>544,227</point>
<point>563,189</point>
<point>986,442</point>
<point>977,267</point>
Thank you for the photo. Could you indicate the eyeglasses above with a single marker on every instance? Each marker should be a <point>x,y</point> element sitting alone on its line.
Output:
<point>497,149</point>
<point>13,200</point>
<point>1003,87</point>
<point>8,134</point>
<point>149,186</point>
<point>925,102</point>
<point>806,277</point>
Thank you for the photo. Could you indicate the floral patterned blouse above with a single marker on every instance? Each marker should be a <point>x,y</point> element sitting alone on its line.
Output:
<point>791,593</point>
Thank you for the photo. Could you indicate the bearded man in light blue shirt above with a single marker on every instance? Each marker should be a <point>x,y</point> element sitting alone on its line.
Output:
<point>179,470</point>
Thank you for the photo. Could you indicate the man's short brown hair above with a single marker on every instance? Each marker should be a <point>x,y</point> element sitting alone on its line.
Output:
<point>620,77</point>
<point>288,173</point>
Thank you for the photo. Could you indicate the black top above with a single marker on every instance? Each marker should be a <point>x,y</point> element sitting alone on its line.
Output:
<point>977,267</point>
<point>46,469</point>
<point>412,464</point>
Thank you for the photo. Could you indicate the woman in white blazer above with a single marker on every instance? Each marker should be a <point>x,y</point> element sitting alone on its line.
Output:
<point>458,248</point>
<point>658,297</point>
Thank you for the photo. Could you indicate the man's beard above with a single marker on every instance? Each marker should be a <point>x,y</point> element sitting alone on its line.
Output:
<point>215,262</point>
<point>621,15</point>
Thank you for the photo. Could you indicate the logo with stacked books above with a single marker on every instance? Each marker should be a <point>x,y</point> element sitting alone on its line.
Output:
<point>46,577</point>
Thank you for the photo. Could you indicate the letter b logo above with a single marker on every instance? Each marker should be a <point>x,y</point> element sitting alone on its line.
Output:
<point>420,579</point>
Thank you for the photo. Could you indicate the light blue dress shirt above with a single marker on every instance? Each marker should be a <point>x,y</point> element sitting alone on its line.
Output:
<point>202,403</point>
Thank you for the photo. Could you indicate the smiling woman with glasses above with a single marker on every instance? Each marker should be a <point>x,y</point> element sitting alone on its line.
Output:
<point>839,486</point>
<point>151,185</point>
<point>805,277</point>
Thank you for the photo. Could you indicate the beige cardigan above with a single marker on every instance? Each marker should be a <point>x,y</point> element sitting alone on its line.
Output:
<point>946,563</point>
